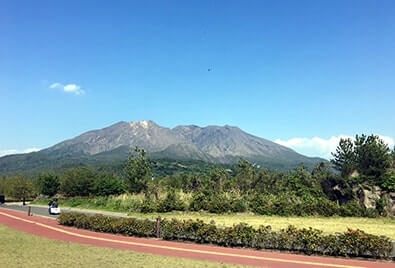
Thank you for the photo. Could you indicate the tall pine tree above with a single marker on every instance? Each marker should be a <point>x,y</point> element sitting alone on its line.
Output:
<point>344,158</point>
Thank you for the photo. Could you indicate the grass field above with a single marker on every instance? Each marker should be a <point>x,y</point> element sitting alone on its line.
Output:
<point>23,250</point>
<point>377,226</point>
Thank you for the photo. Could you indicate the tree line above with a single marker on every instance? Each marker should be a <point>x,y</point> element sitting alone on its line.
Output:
<point>243,187</point>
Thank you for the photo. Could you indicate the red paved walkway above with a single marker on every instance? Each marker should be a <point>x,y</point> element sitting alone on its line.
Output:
<point>50,229</point>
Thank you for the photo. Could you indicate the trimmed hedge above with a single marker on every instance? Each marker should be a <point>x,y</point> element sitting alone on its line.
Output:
<point>354,243</point>
<point>106,224</point>
<point>309,241</point>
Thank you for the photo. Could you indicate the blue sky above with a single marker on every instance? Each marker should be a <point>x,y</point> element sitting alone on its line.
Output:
<point>280,70</point>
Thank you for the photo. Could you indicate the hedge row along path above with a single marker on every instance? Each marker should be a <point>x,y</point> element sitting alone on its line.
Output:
<point>51,229</point>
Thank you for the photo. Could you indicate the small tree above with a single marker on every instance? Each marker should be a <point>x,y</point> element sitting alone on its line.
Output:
<point>321,172</point>
<point>218,177</point>
<point>77,181</point>
<point>48,184</point>
<point>21,188</point>
<point>5,185</point>
<point>245,174</point>
<point>153,189</point>
<point>137,171</point>
<point>108,185</point>
<point>344,158</point>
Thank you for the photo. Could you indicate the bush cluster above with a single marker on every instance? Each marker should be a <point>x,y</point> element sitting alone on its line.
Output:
<point>309,241</point>
<point>101,223</point>
<point>270,204</point>
<point>217,202</point>
<point>171,202</point>
<point>284,205</point>
<point>84,181</point>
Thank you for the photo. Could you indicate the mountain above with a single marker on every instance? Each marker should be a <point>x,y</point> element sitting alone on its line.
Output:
<point>215,144</point>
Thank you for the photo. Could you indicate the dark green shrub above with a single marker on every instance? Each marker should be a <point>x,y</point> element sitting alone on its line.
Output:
<point>148,206</point>
<point>259,204</point>
<point>238,205</point>
<point>281,206</point>
<point>323,206</point>
<point>351,209</point>
<point>108,185</point>
<point>380,205</point>
<point>300,206</point>
<point>48,184</point>
<point>306,240</point>
<point>190,230</point>
<point>68,219</point>
<point>240,234</point>
<point>387,181</point>
<point>371,213</point>
<point>359,243</point>
<point>199,201</point>
<point>218,203</point>
<point>100,223</point>
<point>77,182</point>
<point>134,227</point>
<point>171,202</point>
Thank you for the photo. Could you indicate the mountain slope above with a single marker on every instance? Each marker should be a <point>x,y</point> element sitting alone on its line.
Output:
<point>213,144</point>
<point>222,142</point>
<point>144,134</point>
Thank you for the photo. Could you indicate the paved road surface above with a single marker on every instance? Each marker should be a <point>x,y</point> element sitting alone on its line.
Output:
<point>49,228</point>
<point>42,211</point>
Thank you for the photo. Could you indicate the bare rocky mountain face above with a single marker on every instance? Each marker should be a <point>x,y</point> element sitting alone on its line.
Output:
<point>144,134</point>
<point>222,142</point>
<point>215,144</point>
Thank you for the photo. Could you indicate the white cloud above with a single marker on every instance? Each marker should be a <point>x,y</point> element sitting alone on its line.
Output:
<point>55,85</point>
<point>14,151</point>
<point>321,147</point>
<point>69,88</point>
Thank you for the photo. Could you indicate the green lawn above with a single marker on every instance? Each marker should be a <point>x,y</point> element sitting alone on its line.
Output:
<point>18,249</point>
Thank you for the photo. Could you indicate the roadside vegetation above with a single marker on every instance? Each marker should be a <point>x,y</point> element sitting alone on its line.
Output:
<point>360,186</point>
<point>329,225</point>
<point>24,250</point>
<point>351,243</point>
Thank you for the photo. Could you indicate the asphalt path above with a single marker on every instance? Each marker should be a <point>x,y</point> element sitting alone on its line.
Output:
<point>43,210</point>
<point>35,210</point>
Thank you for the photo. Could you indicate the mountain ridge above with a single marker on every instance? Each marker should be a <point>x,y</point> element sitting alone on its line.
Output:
<point>216,144</point>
